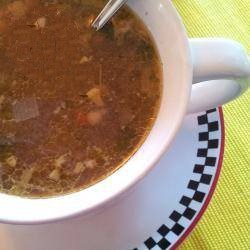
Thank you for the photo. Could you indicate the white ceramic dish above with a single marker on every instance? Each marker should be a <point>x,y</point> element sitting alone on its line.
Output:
<point>212,59</point>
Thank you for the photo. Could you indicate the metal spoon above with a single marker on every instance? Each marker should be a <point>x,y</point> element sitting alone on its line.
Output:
<point>108,11</point>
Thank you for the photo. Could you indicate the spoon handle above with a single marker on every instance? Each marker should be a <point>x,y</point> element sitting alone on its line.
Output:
<point>108,11</point>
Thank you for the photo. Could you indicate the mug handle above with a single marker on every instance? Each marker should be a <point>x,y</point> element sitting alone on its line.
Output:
<point>221,72</point>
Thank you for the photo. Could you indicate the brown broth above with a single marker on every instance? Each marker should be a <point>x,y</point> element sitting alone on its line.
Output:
<point>75,104</point>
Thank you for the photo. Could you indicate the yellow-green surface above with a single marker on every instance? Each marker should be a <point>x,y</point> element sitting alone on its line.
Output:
<point>226,223</point>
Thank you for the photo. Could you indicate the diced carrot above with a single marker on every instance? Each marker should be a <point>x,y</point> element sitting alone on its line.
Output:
<point>81,118</point>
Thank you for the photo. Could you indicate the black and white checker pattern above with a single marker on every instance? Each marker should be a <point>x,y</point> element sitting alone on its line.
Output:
<point>197,188</point>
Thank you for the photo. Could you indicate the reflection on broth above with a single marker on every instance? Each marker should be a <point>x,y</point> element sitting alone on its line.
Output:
<point>75,104</point>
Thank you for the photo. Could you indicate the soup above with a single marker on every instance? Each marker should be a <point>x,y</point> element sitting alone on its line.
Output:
<point>75,103</point>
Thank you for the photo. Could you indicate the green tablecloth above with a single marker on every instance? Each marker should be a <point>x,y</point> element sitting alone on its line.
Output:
<point>226,223</point>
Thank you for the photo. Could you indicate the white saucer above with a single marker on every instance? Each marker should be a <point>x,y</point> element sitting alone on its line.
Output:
<point>160,212</point>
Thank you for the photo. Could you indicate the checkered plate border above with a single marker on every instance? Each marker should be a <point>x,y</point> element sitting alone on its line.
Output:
<point>199,188</point>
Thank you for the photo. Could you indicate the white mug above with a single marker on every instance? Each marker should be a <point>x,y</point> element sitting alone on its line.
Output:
<point>219,67</point>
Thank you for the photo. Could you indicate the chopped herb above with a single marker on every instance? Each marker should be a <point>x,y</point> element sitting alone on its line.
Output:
<point>145,50</point>
<point>7,184</point>
<point>6,112</point>
<point>153,77</point>
<point>5,152</point>
<point>31,25</point>
<point>1,41</point>
<point>4,84</point>
<point>11,161</point>
<point>108,31</point>
<point>124,143</point>
<point>123,15</point>
<point>4,2</point>
<point>98,155</point>
<point>83,96</point>
<point>69,104</point>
